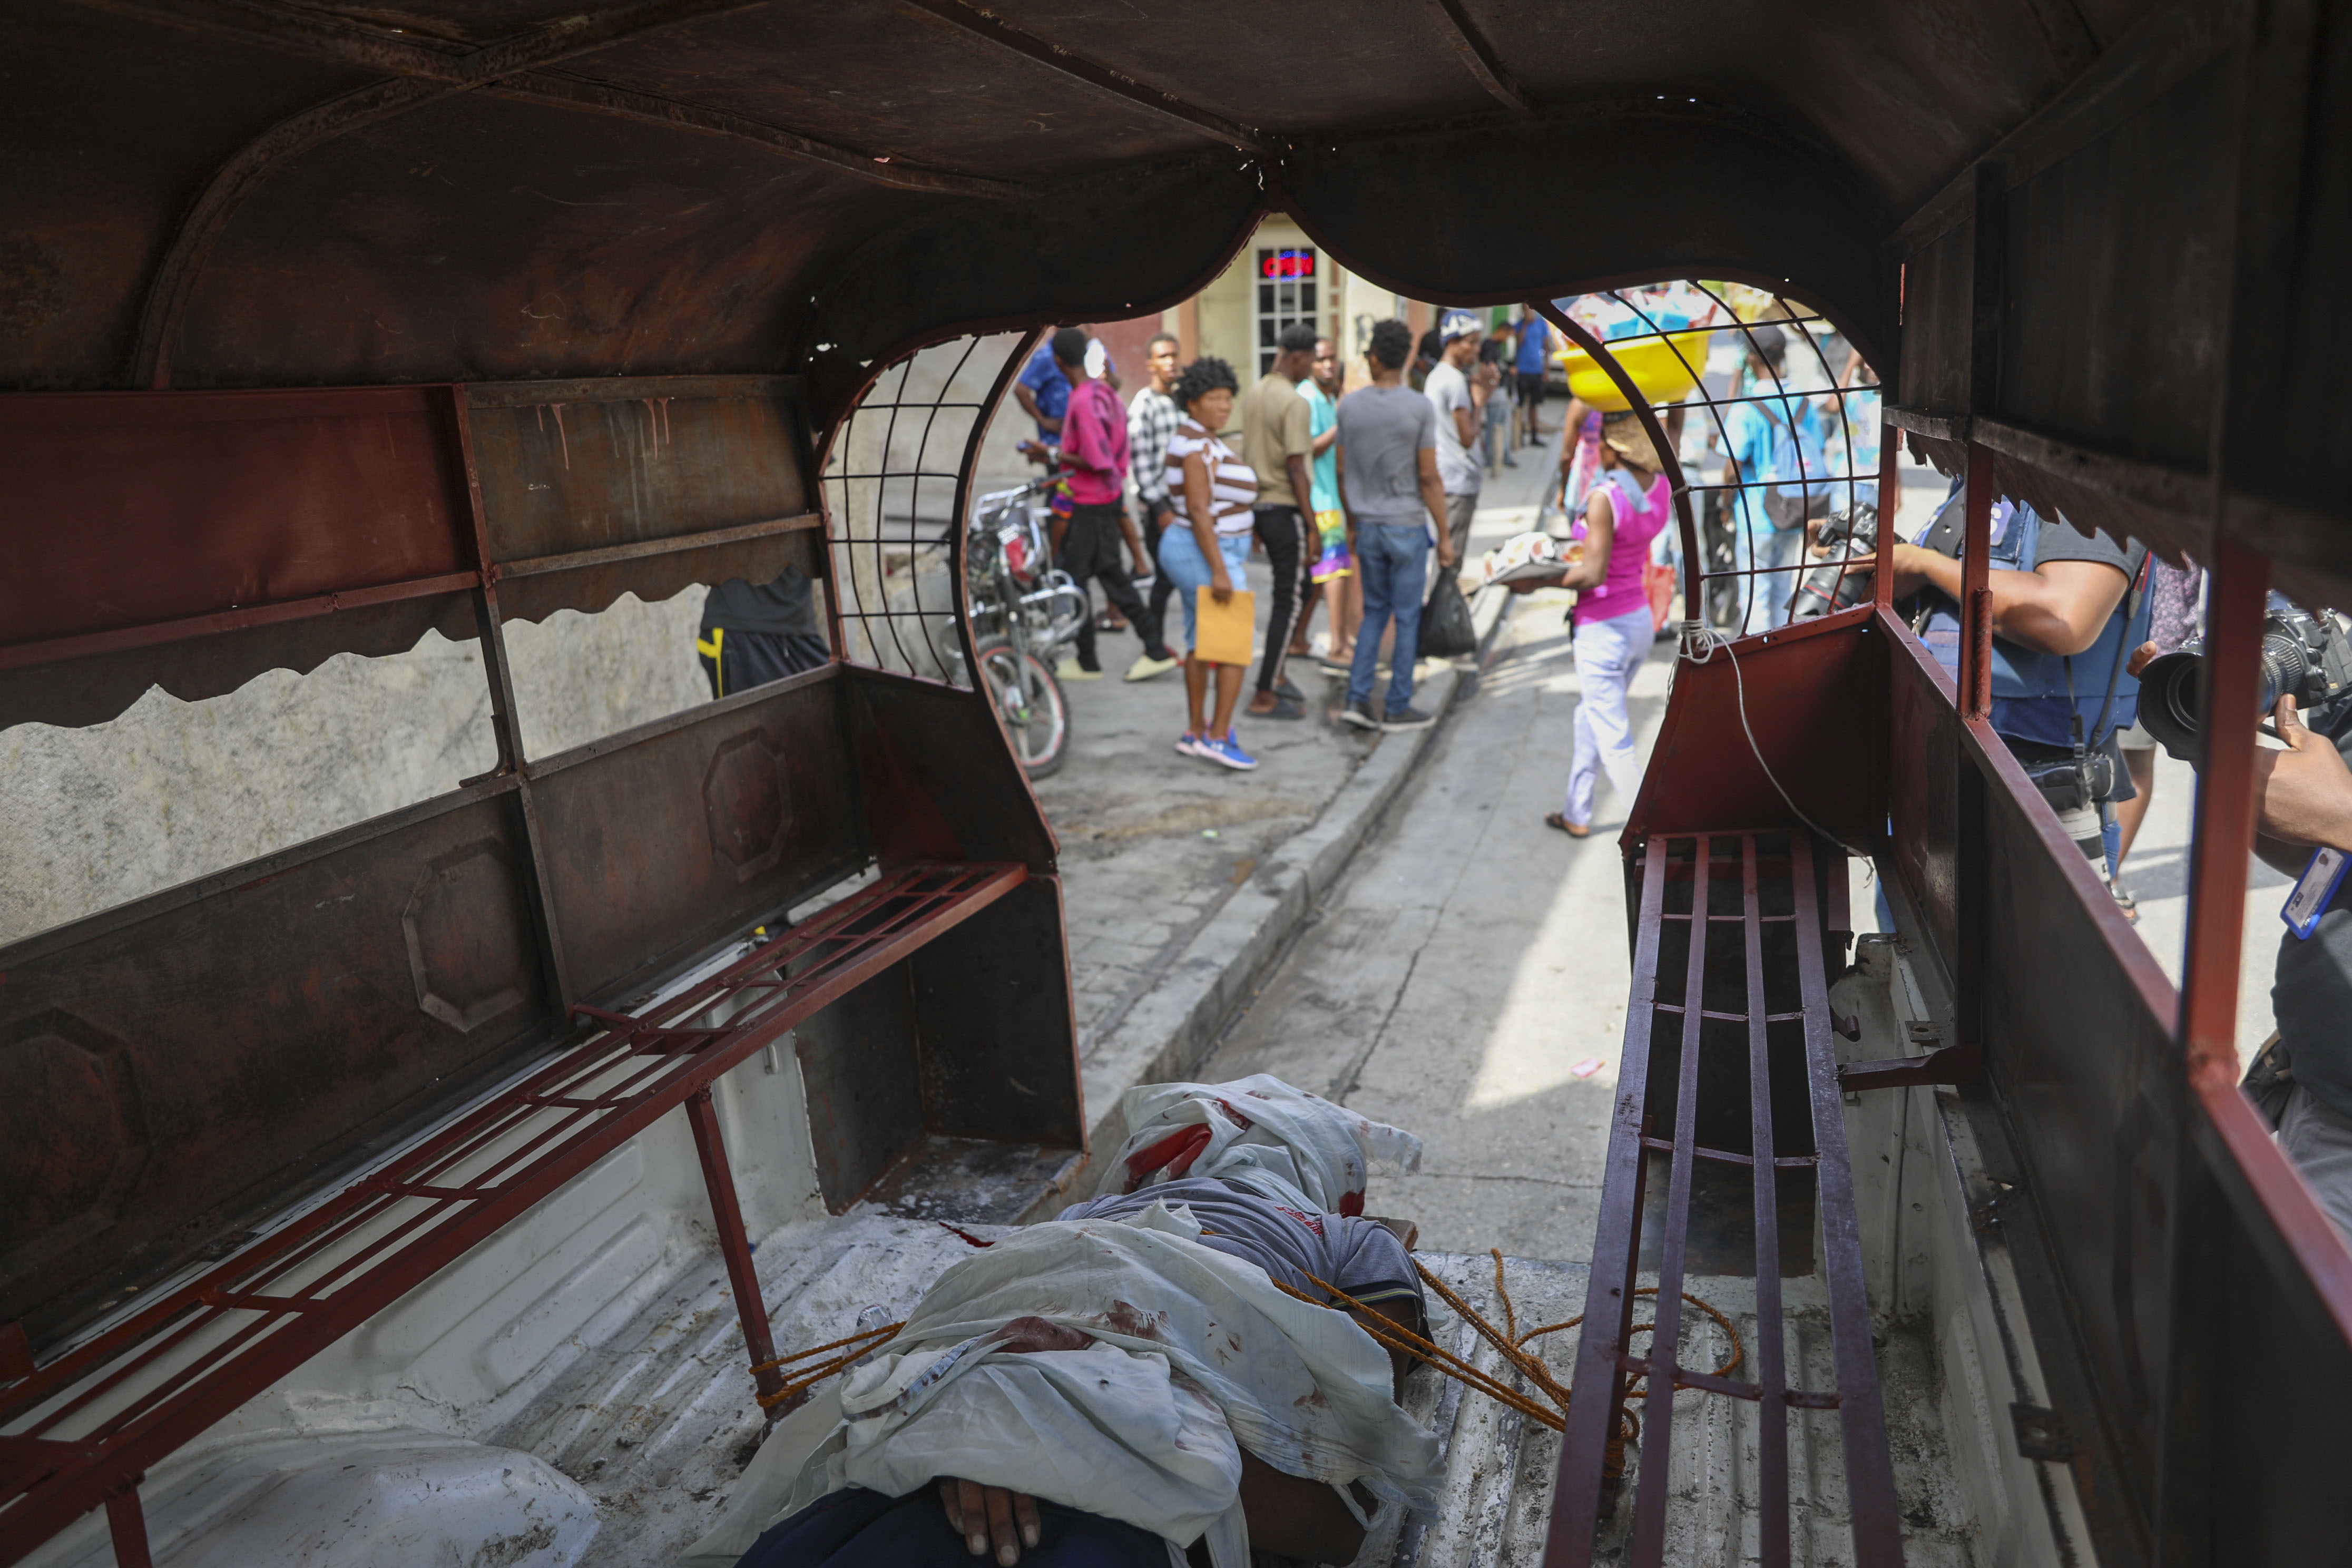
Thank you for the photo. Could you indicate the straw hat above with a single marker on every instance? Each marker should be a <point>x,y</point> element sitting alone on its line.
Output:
<point>1624,432</point>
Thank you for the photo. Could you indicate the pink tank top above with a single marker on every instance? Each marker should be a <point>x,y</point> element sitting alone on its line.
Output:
<point>1639,517</point>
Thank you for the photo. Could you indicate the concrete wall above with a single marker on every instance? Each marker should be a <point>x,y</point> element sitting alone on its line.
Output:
<point>173,791</point>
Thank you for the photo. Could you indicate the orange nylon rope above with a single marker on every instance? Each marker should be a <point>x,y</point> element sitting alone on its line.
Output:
<point>1384,1331</point>
<point>1390,1335</point>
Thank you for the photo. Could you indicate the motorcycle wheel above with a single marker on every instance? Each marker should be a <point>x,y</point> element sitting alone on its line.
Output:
<point>1029,700</point>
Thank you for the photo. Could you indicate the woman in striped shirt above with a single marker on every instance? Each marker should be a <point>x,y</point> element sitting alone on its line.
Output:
<point>1207,545</point>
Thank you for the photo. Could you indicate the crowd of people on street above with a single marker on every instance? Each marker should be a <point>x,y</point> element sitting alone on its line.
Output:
<point>1346,494</point>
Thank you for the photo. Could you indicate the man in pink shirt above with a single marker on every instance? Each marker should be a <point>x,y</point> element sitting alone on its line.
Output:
<point>1094,458</point>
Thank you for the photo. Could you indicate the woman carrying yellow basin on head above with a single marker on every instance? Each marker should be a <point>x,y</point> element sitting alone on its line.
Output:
<point>1663,368</point>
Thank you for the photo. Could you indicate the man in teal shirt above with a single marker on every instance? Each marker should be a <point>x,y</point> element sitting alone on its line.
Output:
<point>1775,450</point>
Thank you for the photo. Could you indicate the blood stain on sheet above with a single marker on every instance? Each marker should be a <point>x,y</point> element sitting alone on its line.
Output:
<point>1128,1319</point>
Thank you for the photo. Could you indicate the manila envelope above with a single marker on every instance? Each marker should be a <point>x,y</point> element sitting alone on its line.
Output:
<point>1225,629</point>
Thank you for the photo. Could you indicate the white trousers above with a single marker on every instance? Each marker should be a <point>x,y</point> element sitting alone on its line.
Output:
<point>1607,653</point>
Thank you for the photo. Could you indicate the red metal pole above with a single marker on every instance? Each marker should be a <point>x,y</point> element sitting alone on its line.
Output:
<point>734,1245</point>
<point>126,1521</point>
<point>1976,599</point>
<point>2225,812</point>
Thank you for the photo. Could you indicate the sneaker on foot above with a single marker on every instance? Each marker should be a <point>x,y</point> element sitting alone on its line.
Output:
<point>1188,745</point>
<point>1226,750</point>
<point>1145,668</point>
<point>1407,718</point>
<point>1071,669</point>
<point>1359,714</point>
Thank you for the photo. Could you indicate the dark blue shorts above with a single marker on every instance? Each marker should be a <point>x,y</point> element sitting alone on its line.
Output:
<point>858,1529</point>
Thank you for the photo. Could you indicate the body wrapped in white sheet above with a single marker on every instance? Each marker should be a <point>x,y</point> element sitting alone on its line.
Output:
<point>1257,1132</point>
<point>1209,1353</point>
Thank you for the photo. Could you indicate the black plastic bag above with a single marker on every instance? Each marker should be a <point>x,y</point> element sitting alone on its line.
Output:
<point>1446,628</point>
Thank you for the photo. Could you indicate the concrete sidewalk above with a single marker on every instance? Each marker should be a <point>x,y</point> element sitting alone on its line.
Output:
<point>1186,881</point>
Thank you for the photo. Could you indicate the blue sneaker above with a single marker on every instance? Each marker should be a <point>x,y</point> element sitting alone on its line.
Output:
<point>1228,752</point>
<point>1189,745</point>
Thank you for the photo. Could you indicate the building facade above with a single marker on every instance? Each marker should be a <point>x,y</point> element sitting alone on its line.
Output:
<point>1278,277</point>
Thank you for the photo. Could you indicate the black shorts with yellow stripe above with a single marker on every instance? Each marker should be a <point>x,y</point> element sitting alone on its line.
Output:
<point>735,661</point>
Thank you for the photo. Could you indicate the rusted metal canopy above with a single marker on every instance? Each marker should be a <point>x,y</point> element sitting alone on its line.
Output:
<point>238,192</point>
<point>232,193</point>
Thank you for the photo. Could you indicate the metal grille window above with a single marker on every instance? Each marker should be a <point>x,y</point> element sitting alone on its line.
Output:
<point>1285,295</point>
<point>1725,396</point>
<point>896,491</point>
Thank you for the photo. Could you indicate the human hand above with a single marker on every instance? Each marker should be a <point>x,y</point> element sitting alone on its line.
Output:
<point>990,1515</point>
<point>1221,587</point>
<point>1912,567</point>
<point>2304,793</point>
<point>2142,656</point>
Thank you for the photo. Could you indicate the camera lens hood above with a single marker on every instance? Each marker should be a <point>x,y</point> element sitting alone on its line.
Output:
<point>2172,703</point>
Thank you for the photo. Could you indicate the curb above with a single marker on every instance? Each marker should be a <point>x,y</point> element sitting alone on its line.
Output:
<point>1170,1027</point>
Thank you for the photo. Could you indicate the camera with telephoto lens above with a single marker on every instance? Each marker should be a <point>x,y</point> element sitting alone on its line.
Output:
<point>1843,580</point>
<point>2305,655</point>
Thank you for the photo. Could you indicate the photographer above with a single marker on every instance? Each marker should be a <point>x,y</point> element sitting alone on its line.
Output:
<point>2066,612</point>
<point>2303,1079</point>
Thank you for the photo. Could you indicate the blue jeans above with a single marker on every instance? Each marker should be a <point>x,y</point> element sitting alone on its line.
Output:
<point>1393,558</point>
<point>1188,569</point>
<point>1764,599</point>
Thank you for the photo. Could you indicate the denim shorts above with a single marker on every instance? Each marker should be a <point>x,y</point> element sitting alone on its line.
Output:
<point>1188,569</point>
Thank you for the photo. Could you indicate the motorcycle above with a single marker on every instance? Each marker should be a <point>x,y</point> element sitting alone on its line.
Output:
<point>1024,611</point>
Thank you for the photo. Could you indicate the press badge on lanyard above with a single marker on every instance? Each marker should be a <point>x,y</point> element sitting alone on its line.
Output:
<point>2314,890</point>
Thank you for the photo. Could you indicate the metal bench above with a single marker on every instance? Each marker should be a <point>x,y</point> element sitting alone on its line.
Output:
<point>1731,933</point>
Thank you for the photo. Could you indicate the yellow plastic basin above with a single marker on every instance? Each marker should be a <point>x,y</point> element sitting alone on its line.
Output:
<point>1656,364</point>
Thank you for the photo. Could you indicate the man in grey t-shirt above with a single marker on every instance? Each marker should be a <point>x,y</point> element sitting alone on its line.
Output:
<point>1458,387</point>
<point>1389,487</point>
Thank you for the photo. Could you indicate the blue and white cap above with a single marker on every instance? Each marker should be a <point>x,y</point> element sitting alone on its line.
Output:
<point>1458,324</point>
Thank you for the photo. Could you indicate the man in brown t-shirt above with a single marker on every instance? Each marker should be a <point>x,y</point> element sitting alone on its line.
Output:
<point>1277,442</point>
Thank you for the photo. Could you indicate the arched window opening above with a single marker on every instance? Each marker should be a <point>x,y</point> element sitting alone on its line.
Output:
<point>896,480</point>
